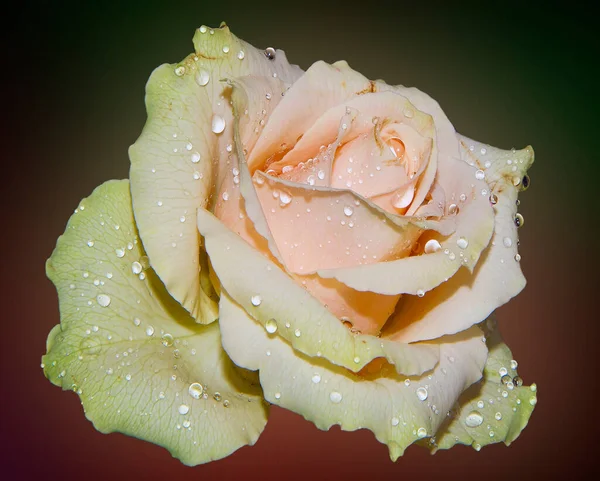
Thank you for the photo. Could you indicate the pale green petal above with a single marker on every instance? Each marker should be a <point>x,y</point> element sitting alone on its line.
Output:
<point>497,276</point>
<point>131,352</point>
<point>398,411</point>
<point>494,410</point>
<point>268,293</point>
<point>179,160</point>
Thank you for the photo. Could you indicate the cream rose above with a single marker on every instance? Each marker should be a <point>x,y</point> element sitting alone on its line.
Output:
<point>350,243</point>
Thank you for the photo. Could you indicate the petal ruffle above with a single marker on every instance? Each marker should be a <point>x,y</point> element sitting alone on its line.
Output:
<point>175,164</point>
<point>398,410</point>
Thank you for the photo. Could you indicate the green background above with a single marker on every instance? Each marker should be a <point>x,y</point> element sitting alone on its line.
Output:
<point>508,75</point>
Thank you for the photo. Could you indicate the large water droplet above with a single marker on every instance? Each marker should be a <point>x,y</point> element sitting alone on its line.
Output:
<point>256,300</point>
<point>316,378</point>
<point>136,267</point>
<point>432,246</point>
<point>103,300</point>
<point>167,340</point>
<point>218,124</point>
<point>196,389</point>
<point>184,409</point>
<point>335,397</point>
<point>348,211</point>
<point>270,53</point>
<point>271,326</point>
<point>422,394</point>
<point>474,419</point>
<point>421,433</point>
<point>120,252</point>
<point>462,242</point>
<point>202,77</point>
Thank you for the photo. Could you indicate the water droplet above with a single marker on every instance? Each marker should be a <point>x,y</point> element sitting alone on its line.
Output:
<point>297,333</point>
<point>422,394</point>
<point>136,321</point>
<point>182,219</point>
<point>270,53</point>
<point>271,326</point>
<point>474,419</point>
<point>196,389</point>
<point>517,381</point>
<point>225,196</point>
<point>432,246</point>
<point>395,421</point>
<point>179,71</point>
<point>285,198</point>
<point>103,300</point>
<point>218,124</point>
<point>202,77</point>
<point>128,377</point>
<point>519,220</point>
<point>120,252</point>
<point>462,242</point>
<point>453,209</point>
<point>195,157</point>
<point>335,397</point>
<point>507,241</point>
<point>136,267</point>
<point>480,175</point>
<point>420,292</point>
<point>90,243</point>
<point>421,433</point>
<point>167,339</point>
<point>513,364</point>
<point>256,300</point>
<point>526,182</point>
<point>241,55</point>
<point>149,331</point>
<point>321,174</point>
<point>316,378</point>
<point>533,400</point>
<point>348,211</point>
<point>184,409</point>
<point>498,416</point>
<point>493,199</point>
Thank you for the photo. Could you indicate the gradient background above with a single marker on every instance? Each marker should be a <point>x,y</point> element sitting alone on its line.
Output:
<point>509,76</point>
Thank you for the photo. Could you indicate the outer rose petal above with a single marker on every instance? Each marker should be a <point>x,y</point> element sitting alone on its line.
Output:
<point>131,352</point>
<point>399,411</point>
<point>479,422</point>
<point>175,162</point>
<point>268,294</point>
<point>469,297</point>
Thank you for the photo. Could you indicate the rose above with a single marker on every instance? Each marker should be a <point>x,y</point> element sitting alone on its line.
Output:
<point>353,241</point>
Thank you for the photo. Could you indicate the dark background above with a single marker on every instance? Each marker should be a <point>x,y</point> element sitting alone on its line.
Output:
<point>72,102</point>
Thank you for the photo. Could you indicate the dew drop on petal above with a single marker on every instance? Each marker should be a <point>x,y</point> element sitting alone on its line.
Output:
<point>136,267</point>
<point>256,300</point>
<point>103,300</point>
<point>462,242</point>
<point>474,419</point>
<point>422,394</point>
<point>316,378</point>
<point>120,252</point>
<point>480,175</point>
<point>183,409</point>
<point>421,432</point>
<point>335,397</point>
<point>196,389</point>
<point>218,124</point>
<point>271,326</point>
<point>432,246</point>
<point>202,77</point>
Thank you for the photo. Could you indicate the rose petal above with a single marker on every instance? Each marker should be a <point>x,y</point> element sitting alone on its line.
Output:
<point>267,293</point>
<point>469,297</point>
<point>321,87</point>
<point>399,411</point>
<point>421,273</point>
<point>135,357</point>
<point>172,171</point>
<point>494,410</point>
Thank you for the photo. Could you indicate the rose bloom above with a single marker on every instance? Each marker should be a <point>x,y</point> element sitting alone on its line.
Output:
<point>350,243</point>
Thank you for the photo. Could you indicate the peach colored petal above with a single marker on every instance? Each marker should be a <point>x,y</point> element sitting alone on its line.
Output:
<point>366,312</point>
<point>322,86</point>
<point>319,228</point>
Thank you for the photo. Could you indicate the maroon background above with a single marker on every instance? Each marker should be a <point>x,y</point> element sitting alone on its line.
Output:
<point>507,76</point>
